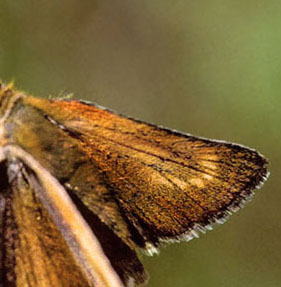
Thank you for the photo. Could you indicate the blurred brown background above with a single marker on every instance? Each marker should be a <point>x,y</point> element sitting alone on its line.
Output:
<point>211,68</point>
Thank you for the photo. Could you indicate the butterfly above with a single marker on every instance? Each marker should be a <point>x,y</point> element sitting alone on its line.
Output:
<point>83,190</point>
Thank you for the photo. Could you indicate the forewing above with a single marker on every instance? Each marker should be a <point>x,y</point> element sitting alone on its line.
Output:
<point>168,184</point>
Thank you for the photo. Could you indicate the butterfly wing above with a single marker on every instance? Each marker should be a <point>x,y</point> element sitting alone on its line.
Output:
<point>167,184</point>
<point>33,251</point>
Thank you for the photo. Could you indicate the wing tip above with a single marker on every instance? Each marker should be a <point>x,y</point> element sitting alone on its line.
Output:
<point>238,202</point>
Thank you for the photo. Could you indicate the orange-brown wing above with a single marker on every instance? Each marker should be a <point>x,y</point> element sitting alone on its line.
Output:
<point>33,251</point>
<point>168,184</point>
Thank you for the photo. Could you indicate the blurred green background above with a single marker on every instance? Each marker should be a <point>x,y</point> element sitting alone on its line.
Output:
<point>211,68</point>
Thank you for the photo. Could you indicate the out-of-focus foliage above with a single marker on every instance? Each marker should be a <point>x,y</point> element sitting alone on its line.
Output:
<point>211,68</point>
